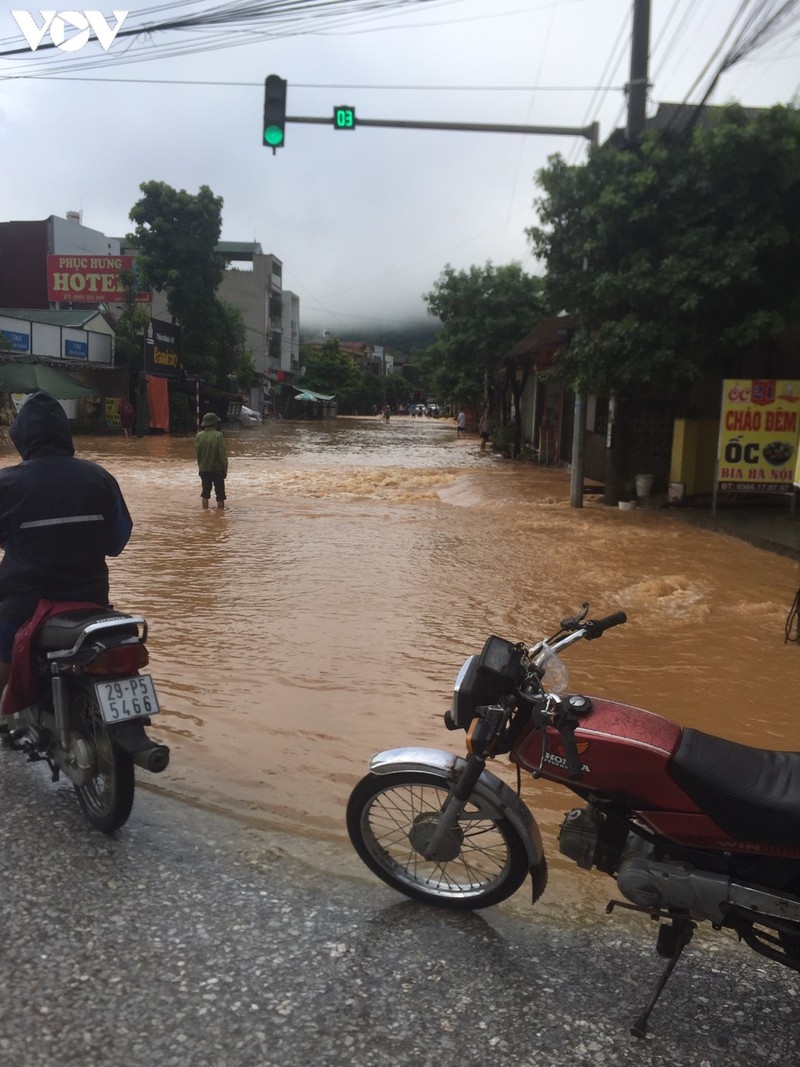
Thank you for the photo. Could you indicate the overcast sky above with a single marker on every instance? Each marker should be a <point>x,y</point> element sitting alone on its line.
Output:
<point>364,221</point>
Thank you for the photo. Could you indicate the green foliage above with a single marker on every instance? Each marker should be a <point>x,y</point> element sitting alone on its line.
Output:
<point>181,413</point>
<point>333,372</point>
<point>176,236</point>
<point>131,324</point>
<point>366,396</point>
<point>397,391</point>
<point>673,256</point>
<point>484,312</point>
<point>229,333</point>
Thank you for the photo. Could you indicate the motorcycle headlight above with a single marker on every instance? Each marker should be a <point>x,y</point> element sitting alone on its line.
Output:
<point>465,697</point>
<point>484,679</point>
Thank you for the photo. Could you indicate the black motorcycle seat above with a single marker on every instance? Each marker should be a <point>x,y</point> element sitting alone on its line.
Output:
<point>753,794</point>
<point>62,631</point>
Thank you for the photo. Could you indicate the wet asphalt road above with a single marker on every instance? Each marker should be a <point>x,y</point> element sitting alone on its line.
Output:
<point>189,939</point>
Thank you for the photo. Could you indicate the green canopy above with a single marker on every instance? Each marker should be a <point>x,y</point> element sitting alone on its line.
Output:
<point>306,394</point>
<point>30,376</point>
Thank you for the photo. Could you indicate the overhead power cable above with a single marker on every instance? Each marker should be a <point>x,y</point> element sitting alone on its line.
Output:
<point>217,26</point>
<point>321,85</point>
<point>764,24</point>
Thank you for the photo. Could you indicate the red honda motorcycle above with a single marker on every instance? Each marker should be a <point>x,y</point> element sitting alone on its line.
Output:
<point>692,827</point>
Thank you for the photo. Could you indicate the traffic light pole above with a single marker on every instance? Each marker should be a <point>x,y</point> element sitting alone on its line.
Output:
<point>589,132</point>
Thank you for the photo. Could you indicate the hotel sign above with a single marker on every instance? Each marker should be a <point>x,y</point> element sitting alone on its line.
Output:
<point>90,279</point>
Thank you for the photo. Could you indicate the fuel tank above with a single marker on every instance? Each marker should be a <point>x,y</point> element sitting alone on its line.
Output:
<point>624,752</point>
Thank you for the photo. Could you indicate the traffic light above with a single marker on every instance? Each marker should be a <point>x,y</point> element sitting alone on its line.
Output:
<point>274,129</point>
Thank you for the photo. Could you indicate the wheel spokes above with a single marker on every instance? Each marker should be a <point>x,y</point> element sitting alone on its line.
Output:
<point>482,857</point>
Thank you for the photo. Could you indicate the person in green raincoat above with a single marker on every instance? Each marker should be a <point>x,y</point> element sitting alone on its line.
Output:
<point>212,460</point>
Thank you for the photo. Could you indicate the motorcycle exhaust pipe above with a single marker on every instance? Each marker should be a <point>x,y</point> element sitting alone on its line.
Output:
<point>155,759</point>
<point>146,753</point>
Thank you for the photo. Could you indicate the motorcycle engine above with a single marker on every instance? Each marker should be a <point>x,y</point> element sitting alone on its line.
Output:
<point>578,836</point>
<point>590,840</point>
<point>662,885</point>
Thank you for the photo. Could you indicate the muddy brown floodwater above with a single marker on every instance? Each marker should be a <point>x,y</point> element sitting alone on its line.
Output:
<point>325,614</point>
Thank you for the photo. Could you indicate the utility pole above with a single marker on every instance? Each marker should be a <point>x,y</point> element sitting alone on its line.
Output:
<point>637,84</point>
<point>637,113</point>
<point>579,426</point>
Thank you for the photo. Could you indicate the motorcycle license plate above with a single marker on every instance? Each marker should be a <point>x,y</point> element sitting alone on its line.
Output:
<point>127,698</point>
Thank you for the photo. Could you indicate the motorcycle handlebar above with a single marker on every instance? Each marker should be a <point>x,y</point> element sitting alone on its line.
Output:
<point>597,627</point>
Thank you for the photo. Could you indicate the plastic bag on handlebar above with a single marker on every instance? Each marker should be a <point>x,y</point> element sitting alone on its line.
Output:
<point>556,674</point>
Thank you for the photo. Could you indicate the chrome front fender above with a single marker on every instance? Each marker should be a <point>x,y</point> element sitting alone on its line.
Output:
<point>494,795</point>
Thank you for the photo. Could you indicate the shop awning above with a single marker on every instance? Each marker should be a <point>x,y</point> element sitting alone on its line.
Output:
<point>30,376</point>
<point>308,395</point>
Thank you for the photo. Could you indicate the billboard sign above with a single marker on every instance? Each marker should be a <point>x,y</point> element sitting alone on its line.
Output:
<point>162,348</point>
<point>759,435</point>
<point>90,279</point>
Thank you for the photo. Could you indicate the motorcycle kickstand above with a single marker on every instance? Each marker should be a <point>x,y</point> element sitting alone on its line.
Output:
<point>672,940</point>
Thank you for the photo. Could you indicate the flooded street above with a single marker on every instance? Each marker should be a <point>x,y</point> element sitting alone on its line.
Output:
<point>325,614</point>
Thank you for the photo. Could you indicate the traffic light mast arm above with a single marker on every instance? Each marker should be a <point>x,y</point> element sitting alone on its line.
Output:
<point>589,132</point>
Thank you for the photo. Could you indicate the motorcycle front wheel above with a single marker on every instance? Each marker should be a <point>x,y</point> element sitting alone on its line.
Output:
<point>108,798</point>
<point>391,818</point>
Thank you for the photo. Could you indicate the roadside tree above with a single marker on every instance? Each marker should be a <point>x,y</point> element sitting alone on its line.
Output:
<point>331,371</point>
<point>130,326</point>
<point>676,254</point>
<point>176,236</point>
<point>484,312</point>
<point>677,257</point>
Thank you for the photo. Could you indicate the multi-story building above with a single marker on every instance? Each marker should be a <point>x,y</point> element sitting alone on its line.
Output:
<point>290,338</point>
<point>271,316</point>
<point>85,278</point>
<point>59,264</point>
<point>57,277</point>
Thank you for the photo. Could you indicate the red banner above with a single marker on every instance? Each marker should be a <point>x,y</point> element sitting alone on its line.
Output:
<point>89,279</point>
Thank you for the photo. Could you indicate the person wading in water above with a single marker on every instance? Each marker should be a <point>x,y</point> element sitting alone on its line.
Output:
<point>212,460</point>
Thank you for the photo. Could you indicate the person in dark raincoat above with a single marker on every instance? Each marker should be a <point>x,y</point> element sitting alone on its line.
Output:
<point>60,517</point>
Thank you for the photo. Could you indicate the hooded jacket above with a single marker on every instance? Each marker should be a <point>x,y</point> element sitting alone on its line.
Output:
<point>59,516</point>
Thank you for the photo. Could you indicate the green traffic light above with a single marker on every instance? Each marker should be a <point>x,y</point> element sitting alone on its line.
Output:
<point>273,136</point>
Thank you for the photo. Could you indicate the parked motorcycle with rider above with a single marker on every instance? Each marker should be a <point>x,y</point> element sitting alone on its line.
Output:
<point>90,708</point>
<point>70,666</point>
<point>693,828</point>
